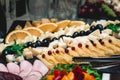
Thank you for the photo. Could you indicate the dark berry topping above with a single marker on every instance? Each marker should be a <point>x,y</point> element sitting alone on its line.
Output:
<point>75,34</point>
<point>25,46</point>
<point>38,43</point>
<point>5,52</point>
<point>79,45</point>
<point>99,26</point>
<point>57,51</point>
<point>73,48</point>
<point>66,51</point>
<point>43,55</point>
<point>94,44</point>
<point>33,45</point>
<point>29,44</point>
<point>45,42</point>
<point>102,43</point>
<point>110,41</point>
<point>87,46</point>
<point>93,28</point>
<point>82,33</point>
<point>49,52</point>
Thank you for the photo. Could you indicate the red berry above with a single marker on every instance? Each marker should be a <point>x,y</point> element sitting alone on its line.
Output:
<point>110,41</point>
<point>49,52</point>
<point>102,43</point>
<point>43,55</point>
<point>73,48</point>
<point>66,51</point>
<point>57,51</point>
<point>87,46</point>
<point>79,45</point>
<point>94,44</point>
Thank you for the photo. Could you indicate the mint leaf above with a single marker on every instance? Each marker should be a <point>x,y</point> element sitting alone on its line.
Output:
<point>113,27</point>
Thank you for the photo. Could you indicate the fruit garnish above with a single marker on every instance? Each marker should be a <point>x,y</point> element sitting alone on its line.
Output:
<point>91,71</point>
<point>78,73</point>
<point>47,27</point>
<point>73,72</point>
<point>88,76</point>
<point>62,24</point>
<point>49,77</point>
<point>76,23</point>
<point>65,78</point>
<point>57,73</point>
<point>70,75</point>
<point>34,31</point>
<point>16,34</point>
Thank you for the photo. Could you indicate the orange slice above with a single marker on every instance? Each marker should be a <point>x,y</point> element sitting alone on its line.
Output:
<point>62,24</point>
<point>34,31</point>
<point>47,27</point>
<point>15,35</point>
<point>76,23</point>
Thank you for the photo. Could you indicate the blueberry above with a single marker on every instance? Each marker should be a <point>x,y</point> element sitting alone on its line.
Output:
<point>82,33</point>
<point>33,45</point>
<point>29,44</point>
<point>45,42</point>
<point>88,32</point>
<point>53,39</point>
<point>25,46</point>
<point>5,52</point>
<point>75,34</point>
<point>38,43</point>
<point>93,28</point>
<point>99,26</point>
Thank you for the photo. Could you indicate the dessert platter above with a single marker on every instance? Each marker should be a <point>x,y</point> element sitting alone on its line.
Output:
<point>45,49</point>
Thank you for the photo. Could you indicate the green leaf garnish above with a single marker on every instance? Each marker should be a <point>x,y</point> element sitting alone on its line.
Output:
<point>108,10</point>
<point>16,48</point>
<point>114,28</point>
<point>67,67</point>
